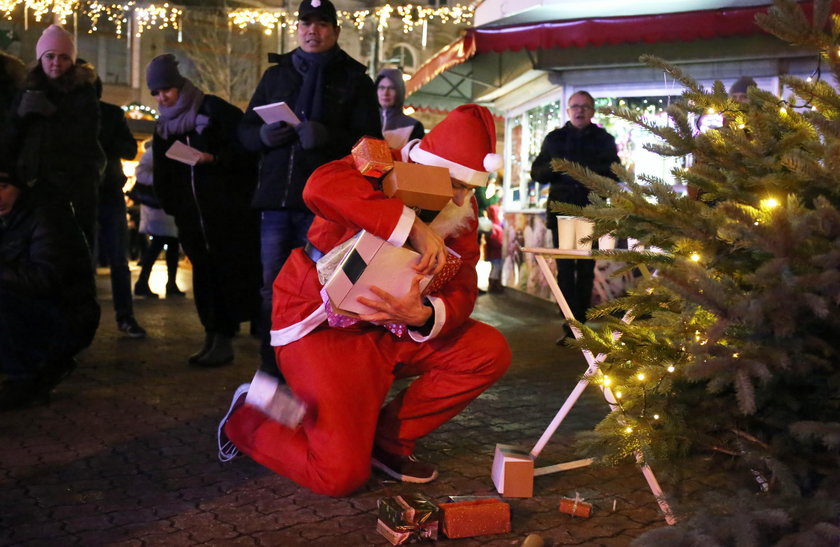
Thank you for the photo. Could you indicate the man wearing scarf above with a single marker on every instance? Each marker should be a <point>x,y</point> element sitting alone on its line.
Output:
<point>336,103</point>
<point>209,201</point>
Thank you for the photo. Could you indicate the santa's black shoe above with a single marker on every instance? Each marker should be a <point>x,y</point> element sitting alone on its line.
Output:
<point>402,468</point>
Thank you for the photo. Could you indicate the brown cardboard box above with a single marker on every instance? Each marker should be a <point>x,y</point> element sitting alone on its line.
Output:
<point>372,157</point>
<point>513,471</point>
<point>419,186</point>
<point>475,518</point>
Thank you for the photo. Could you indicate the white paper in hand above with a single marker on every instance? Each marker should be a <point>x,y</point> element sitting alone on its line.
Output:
<point>183,153</point>
<point>277,112</point>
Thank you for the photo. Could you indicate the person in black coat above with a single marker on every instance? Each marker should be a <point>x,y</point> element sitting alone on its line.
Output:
<point>336,102</point>
<point>119,144</point>
<point>208,195</point>
<point>54,128</point>
<point>12,72</point>
<point>48,309</point>
<point>583,142</point>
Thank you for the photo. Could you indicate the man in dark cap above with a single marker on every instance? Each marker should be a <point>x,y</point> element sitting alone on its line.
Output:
<point>738,90</point>
<point>336,104</point>
<point>48,309</point>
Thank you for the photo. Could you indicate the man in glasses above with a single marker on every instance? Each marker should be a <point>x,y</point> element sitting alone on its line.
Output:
<point>583,142</point>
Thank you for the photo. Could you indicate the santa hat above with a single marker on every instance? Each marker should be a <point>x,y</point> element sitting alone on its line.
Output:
<point>54,38</point>
<point>464,142</point>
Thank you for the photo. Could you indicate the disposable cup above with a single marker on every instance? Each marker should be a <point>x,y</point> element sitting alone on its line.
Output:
<point>583,228</point>
<point>633,244</point>
<point>566,233</point>
<point>606,242</point>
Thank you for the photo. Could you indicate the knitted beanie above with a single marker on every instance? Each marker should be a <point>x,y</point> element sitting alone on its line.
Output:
<point>162,73</point>
<point>56,39</point>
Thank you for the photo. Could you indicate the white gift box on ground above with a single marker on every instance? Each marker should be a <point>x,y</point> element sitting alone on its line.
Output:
<point>513,471</point>
<point>371,261</point>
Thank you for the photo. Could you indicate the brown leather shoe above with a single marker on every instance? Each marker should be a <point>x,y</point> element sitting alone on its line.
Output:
<point>402,468</point>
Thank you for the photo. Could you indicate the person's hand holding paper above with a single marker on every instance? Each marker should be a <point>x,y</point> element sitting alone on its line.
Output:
<point>277,134</point>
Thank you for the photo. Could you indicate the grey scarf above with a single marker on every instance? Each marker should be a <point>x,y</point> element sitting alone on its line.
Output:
<point>183,117</point>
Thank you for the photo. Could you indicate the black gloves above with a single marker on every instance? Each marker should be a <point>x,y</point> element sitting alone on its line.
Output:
<point>34,102</point>
<point>277,134</point>
<point>312,134</point>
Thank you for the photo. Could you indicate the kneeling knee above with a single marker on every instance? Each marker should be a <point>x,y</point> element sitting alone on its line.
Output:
<point>342,482</point>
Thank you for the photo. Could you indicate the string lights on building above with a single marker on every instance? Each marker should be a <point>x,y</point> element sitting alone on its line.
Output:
<point>145,16</point>
<point>410,15</point>
<point>161,16</point>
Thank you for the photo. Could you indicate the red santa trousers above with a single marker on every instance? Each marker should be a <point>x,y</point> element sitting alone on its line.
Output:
<point>344,376</point>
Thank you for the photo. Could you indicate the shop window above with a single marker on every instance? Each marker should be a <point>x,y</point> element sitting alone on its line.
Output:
<point>528,130</point>
<point>631,139</point>
<point>403,56</point>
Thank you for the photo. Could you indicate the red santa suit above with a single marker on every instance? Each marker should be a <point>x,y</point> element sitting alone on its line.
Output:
<point>344,374</point>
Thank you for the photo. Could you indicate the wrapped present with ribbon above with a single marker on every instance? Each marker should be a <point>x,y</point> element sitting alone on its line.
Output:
<point>449,270</point>
<point>407,519</point>
<point>425,188</point>
<point>372,157</point>
<point>575,506</point>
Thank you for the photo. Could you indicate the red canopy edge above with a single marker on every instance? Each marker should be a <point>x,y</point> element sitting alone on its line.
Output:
<point>453,54</point>
<point>663,27</point>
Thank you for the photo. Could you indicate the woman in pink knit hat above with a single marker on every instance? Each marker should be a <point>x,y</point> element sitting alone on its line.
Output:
<point>55,126</point>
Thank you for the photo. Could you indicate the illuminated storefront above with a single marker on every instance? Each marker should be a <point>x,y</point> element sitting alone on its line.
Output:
<point>526,71</point>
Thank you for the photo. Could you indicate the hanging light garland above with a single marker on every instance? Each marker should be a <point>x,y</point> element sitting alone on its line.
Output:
<point>162,16</point>
<point>146,16</point>
<point>411,16</point>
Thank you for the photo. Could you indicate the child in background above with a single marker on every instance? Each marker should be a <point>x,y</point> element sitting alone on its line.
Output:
<point>160,228</point>
<point>493,249</point>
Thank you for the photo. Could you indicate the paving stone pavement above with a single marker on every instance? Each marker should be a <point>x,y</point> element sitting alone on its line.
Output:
<point>125,452</point>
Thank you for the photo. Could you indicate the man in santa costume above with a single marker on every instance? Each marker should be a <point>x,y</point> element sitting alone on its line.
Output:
<point>343,374</point>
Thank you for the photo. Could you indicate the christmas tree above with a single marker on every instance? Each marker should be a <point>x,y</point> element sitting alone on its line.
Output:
<point>734,347</point>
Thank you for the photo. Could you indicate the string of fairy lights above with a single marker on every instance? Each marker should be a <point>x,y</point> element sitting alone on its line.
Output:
<point>147,16</point>
<point>411,16</point>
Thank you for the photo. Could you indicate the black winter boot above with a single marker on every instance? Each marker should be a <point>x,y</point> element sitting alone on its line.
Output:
<point>220,353</point>
<point>208,343</point>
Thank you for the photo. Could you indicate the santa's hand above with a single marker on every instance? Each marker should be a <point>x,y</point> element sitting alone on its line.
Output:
<point>430,245</point>
<point>390,309</point>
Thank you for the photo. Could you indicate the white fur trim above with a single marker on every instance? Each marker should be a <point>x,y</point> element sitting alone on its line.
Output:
<point>492,162</point>
<point>281,337</point>
<point>262,390</point>
<point>401,231</point>
<point>405,151</point>
<point>457,171</point>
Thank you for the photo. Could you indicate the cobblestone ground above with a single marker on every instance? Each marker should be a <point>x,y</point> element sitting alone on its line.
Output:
<point>125,452</point>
